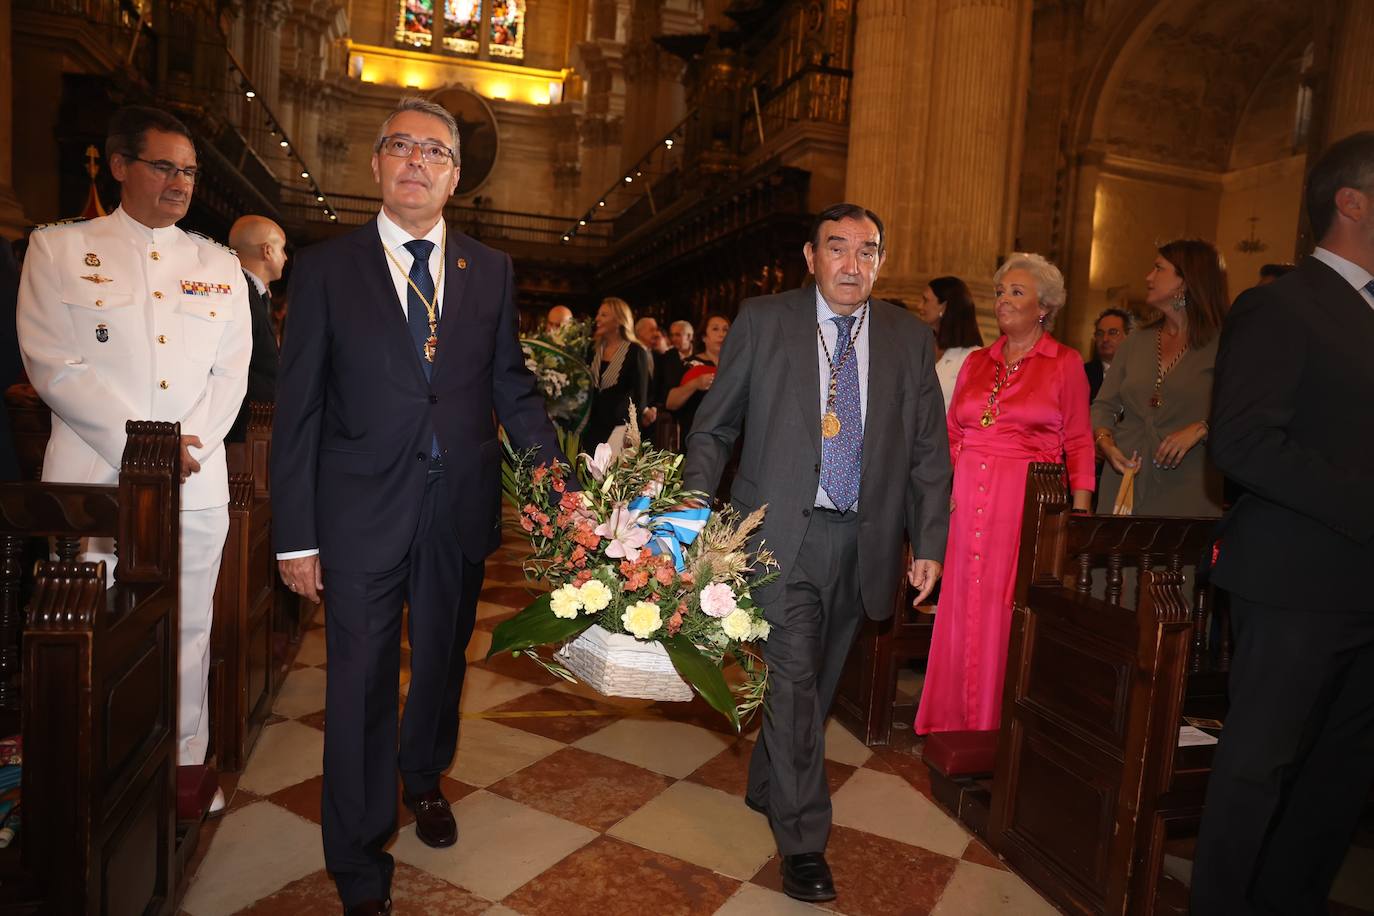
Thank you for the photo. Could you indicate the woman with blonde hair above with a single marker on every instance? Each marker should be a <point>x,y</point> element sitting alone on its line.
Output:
<point>1023,399</point>
<point>621,371</point>
<point>1151,412</point>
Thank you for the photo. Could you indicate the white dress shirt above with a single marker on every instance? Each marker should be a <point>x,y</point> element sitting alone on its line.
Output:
<point>830,330</point>
<point>394,239</point>
<point>1351,272</point>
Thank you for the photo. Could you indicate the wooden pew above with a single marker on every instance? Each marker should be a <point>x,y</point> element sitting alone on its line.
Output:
<point>95,692</point>
<point>243,659</point>
<point>867,701</point>
<point>1090,784</point>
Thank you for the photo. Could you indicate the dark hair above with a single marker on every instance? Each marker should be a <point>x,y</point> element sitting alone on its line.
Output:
<point>1199,264</point>
<point>959,324</point>
<point>1347,163</point>
<point>1127,319</point>
<point>838,212</point>
<point>129,128</point>
<point>1274,271</point>
<point>700,345</point>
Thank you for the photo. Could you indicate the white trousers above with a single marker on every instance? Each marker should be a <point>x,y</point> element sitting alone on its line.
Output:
<point>202,546</point>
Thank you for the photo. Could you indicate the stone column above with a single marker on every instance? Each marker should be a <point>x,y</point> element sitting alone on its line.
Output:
<point>1350,102</point>
<point>935,133</point>
<point>12,219</point>
<point>262,38</point>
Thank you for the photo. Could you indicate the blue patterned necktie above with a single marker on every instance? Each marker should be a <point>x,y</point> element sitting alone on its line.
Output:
<point>417,315</point>
<point>841,456</point>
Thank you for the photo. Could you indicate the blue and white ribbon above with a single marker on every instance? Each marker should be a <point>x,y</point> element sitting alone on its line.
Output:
<point>674,530</point>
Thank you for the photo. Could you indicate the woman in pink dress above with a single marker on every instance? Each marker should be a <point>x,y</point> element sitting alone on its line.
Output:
<point>1023,399</point>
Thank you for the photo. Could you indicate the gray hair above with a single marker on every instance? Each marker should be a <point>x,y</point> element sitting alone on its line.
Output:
<point>1049,282</point>
<point>423,106</point>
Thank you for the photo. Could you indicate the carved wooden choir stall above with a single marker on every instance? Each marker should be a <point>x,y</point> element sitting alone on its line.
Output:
<point>1086,786</point>
<point>256,621</point>
<point>92,689</point>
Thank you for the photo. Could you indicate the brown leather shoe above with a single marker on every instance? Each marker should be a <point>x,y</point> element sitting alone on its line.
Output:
<point>434,823</point>
<point>371,908</point>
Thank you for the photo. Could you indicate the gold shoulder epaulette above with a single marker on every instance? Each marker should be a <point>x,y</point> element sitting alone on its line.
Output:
<point>61,222</point>
<point>205,238</point>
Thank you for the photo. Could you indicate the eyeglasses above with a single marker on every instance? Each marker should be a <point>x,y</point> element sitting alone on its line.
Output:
<point>169,170</point>
<point>401,147</point>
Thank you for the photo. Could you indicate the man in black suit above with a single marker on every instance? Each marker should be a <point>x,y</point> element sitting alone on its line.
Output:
<point>400,359</point>
<point>846,446</point>
<point>1292,424</point>
<point>1110,330</point>
<point>261,247</point>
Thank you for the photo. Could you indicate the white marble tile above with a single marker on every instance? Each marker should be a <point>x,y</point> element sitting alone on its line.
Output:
<point>842,747</point>
<point>501,845</point>
<point>752,900</point>
<point>259,849</point>
<point>704,826</point>
<point>671,748</point>
<point>287,753</point>
<point>488,751</point>
<point>312,649</point>
<point>976,890</point>
<point>484,689</point>
<point>302,693</point>
<point>888,806</point>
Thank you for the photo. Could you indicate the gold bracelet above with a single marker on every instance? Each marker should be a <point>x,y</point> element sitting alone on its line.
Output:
<point>1105,434</point>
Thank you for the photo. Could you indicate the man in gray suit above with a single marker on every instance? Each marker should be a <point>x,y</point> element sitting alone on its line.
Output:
<point>847,447</point>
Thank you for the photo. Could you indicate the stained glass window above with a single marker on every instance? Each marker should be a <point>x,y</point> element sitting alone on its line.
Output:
<point>416,19</point>
<point>462,25</point>
<point>507,28</point>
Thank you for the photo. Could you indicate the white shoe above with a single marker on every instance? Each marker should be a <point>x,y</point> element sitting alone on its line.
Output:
<point>217,804</point>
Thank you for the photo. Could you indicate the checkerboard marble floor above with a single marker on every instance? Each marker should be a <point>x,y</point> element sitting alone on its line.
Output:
<point>574,804</point>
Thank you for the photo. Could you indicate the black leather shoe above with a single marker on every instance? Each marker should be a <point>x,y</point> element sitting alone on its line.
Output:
<point>807,877</point>
<point>371,908</point>
<point>434,823</point>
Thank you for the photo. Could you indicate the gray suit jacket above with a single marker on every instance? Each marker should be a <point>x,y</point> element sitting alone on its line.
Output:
<point>769,384</point>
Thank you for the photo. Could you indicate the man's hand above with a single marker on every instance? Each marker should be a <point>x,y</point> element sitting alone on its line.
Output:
<point>189,465</point>
<point>923,574</point>
<point>302,575</point>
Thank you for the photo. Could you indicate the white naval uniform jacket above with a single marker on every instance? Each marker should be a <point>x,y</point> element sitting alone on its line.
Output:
<point>120,322</point>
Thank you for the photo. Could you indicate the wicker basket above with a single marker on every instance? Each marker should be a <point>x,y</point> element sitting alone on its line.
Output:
<point>621,666</point>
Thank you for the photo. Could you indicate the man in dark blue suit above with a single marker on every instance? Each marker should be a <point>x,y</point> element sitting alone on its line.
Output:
<point>400,358</point>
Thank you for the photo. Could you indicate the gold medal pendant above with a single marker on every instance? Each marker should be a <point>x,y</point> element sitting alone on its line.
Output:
<point>431,345</point>
<point>1156,402</point>
<point>830,425</point>
<point>987,419</point>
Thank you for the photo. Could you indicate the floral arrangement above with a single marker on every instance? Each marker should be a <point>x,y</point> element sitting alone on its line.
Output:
<point>634,552</point>
<point>558,361</point>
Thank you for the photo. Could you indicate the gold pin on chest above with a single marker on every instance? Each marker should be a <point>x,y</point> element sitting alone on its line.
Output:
<point>92,260</point>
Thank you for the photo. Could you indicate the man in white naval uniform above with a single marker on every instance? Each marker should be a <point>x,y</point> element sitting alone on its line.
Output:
<point>130,317</point>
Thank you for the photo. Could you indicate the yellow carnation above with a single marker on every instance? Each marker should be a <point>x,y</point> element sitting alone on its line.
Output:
<point>642,619</point>
<point>737,624</point>
<point>565,602</point>
<point>594,595</point>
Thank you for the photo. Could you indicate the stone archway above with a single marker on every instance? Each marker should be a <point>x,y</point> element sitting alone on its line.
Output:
<point>1175,118</point>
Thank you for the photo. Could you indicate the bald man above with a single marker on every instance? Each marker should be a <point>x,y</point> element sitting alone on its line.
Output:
<point>558,316</point>
<point>261,247</point>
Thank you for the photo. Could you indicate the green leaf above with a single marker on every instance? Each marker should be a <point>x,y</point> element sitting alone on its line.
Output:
<point>536,625</point>
<point>704,676</point>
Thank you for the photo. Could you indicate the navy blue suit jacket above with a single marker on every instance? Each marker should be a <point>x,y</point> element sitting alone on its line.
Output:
<point>355,413</point>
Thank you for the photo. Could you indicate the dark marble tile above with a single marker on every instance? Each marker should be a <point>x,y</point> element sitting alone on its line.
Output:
<point>608,877</point>
<point>304,798</point>
<point>511,596</point>
<point>582,787</point>
<point>413,893</point>
<point>875,876</point>
<point>583,716</point>
<point>904,764</point>
<point>522,669</point>
<point>728,771</point>
<point>981,855</point>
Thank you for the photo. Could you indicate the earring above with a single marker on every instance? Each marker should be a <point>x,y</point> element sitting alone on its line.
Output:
<point>1043,316</point>
<point>1180,301</point>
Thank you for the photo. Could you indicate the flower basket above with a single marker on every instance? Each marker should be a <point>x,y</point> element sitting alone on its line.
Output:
<point>617,665</point>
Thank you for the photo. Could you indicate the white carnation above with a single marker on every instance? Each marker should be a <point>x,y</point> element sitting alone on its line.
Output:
<point>594,596</point>
<point>642,619</point>
<point>565,602</point>
<point>738,624</point>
